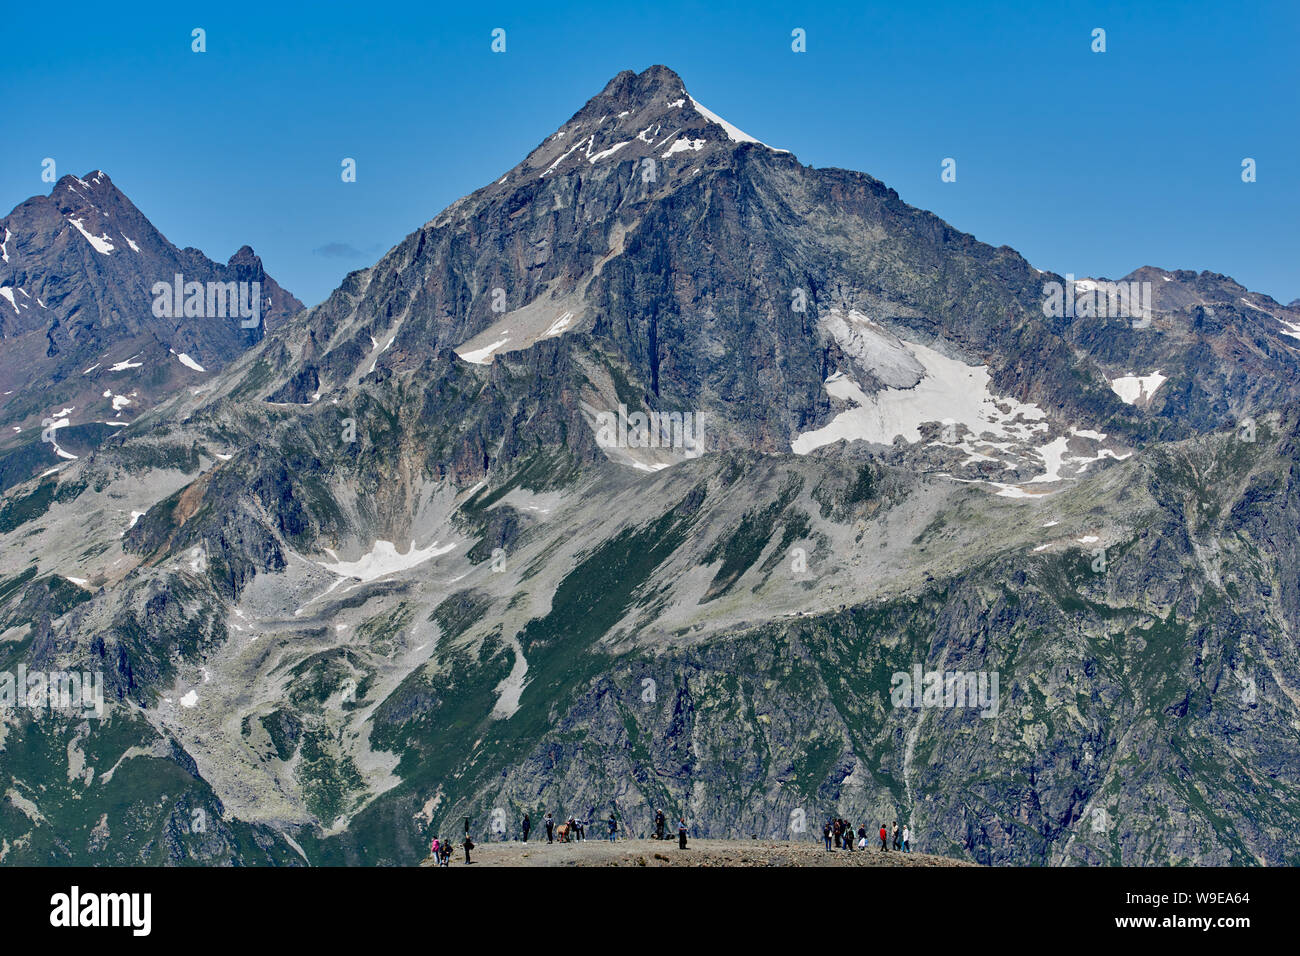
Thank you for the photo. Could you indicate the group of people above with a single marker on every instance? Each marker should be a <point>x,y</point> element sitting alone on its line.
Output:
<point>838,834</point>
<point>574,829</point>
<point>568,831</point>
<point>441,850</point>
<point>661,826</point>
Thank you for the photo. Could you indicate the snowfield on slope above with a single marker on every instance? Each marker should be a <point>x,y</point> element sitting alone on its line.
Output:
<point>946,391</point>
<point>384,559</point>
<point>921,385</point>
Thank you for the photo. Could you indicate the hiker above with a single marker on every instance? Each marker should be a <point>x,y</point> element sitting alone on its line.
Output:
<point>884,836</point>
<point>469,845</point>
<point>826,835</point>
<point>907,839</point>
<point>435,850</point>
<point>550,829</point>
<point>862,836</point>
<point>660,823</point>
<point>681,833</point>
<point>898,840</point>
<point>613,828</point>
<point>527,826</point>
<point>848,836</point>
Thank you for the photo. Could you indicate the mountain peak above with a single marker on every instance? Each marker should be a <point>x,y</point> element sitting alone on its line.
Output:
<point>644,87</point>
<point>637,116</point>
<point>245,256</point>
<point>94,182</point>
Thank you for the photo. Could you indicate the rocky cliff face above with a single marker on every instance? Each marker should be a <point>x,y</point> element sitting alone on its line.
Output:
<point>80,328</point>
<point>405,560</point>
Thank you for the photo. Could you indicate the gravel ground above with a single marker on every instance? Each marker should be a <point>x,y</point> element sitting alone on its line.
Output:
<point>699,853</point>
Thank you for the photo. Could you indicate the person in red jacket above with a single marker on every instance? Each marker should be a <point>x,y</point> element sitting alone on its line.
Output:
<point>884,833</point>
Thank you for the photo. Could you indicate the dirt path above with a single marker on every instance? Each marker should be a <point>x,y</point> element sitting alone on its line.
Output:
<point>699,853</point>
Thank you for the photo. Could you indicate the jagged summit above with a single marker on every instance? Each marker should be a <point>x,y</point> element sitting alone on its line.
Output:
<point>642,116</point>
<point>77,328</point>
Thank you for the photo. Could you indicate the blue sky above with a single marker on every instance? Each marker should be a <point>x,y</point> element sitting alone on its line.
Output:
<point>1088,163</point>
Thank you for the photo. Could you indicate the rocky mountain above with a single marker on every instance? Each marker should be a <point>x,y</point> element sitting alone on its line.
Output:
<point>655,474</point>
<point>82,340</point>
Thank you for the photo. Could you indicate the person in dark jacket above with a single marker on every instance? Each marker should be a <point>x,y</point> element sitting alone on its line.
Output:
<point>613,828</point>
<point>660,824</point>
<point>528,825</point>
<point>681,833</point>
<point>550,829</point>
<point>469,845</point>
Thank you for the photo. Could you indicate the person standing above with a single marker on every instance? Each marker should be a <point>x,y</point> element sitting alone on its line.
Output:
<point>884,839</point>
<point>469,845</point>
<point>681,833</point>
<point>907,838</point>
<point>550,829</point>
<point>826,835</point>
<point>862,836</point>
<point>435,850</point>
<point>527,825</point>
<point>613,828</point>
<point>660,823</point>
<point>898,839</point>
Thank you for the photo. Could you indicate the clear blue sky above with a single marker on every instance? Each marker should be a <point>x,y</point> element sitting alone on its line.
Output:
<point>1086,163</point>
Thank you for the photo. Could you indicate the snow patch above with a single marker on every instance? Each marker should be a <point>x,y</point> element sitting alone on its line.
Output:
<point>734,133</point>
<point>384,559</point>
<point>189,362</point>
<point>1135,389</point>
<point>483,356</point>
<point>684,144</point>
<point>947,390</point>
<point>99,243</point>
<point>559,325</point>
<point>608,152</point>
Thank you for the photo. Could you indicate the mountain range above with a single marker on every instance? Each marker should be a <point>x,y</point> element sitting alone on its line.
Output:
<point>635,480</point>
